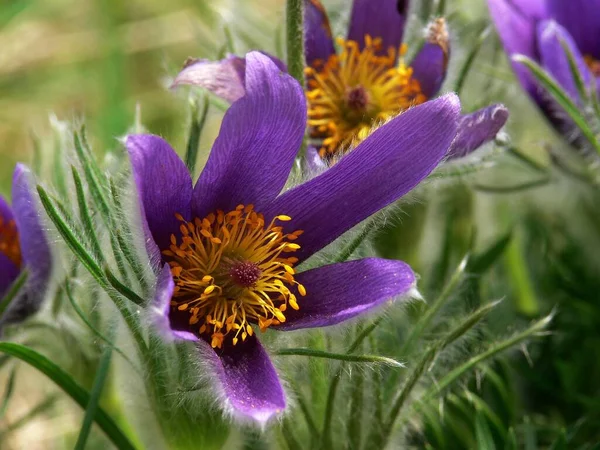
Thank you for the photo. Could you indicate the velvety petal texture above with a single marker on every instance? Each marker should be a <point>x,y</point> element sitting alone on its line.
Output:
<point>342,291</point>
<point>582,19</point>
<point>318,41</point>
<point>224,78</point>
<point>551,38</point>
<point>260,135</point>
<point>164,185</point>
<point>429,68</point>
<point>379,19</point>
<point>478,128</point>
<point>517,29</point>
<point>35,249</point>
<point>384,167</point>
<point>248,380</point>
<point>8,269</point>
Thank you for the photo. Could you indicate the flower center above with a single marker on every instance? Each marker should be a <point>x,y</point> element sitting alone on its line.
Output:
<point>9,241</point>
<point>352,91</point>
<point>232,270</point>
<point>593,64</point>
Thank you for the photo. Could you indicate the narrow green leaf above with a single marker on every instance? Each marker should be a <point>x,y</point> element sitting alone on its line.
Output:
<point>356,242</point>
<point>70,387</point>
<point>355,411</point>
<point>483,433</point>
<point>64,229</point>
<point>93,329</point>
<point>85,216</point>
<point>575,73</point>
<point>340,356</point>
<point>198,119</point>
<point>93,403</point>
<point>8,392</point>
<point>426,319</point>
<point>514,188</point>
<point>40,408</point>
<point>483,261</point>
<point>561,97</point>
<point>466,67</point>
<point>122,289</point>
<point>13,291</point>
<point>467,324</point>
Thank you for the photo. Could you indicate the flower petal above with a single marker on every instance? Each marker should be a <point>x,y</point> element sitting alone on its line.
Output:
<point>582,19</point>
<point>8,269</point>
<point>164,186</point>
<point>431,63</point>
<point>161,307</point>
<point>338,292</point>
<point>384,167</point>
<point>260,135</point>
<point>243,373</point>
<point>551,37</point>
<point>379,19</point>
<point>478,128</point>
<point>247,379</point>
<point>313,160</point>
<point>516,27</point>
<point>35,249</point>
<point>224,78</point>
<point>318,42</point>
<point>8,273</point>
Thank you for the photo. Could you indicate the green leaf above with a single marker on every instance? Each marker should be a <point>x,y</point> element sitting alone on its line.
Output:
<point>562,99</point>
<point>13,291</point>
<point>10,387</point>
<point>70,387</point>
<point>198,120</point>
<point>485,440</point>
<point>93,403</point>
<point>340,356</point>
<point>483,261</point>
<point>466,67</point>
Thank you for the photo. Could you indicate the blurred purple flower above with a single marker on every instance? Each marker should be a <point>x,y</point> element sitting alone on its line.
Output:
<point>539,29</point>
<point>365,84</point>
<point>229,244</point>
<point>23,246</point>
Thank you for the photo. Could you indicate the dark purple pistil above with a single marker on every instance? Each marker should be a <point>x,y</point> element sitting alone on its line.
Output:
<point>245,273</point>
<point>357,98</point>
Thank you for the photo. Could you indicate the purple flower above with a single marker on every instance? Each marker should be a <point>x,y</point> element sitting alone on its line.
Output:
<point>539,29</point>
<point>366,83</point>
<point>229,245</point>
<point>23,246</point>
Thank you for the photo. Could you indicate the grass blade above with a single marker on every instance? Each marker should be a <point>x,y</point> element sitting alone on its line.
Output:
<point>70,387</point>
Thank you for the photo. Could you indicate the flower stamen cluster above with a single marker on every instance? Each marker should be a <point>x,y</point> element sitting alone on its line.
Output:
<point>9,241</point>
<point>350,92</point>
<point>231,271</point>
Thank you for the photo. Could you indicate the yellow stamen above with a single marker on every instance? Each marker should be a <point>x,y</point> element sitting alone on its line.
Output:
<point>230,270</point>
<point>9,241</point>
<point>355,90</point>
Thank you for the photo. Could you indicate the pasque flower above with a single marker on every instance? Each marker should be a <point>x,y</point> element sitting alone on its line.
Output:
<point>541,30</point>
<point>364,84</point>
<point>23,246</point>
<point>231,244</point>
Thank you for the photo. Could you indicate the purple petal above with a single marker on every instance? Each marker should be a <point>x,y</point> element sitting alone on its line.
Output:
<point>582,19</point>
<point>8,273</point>
<point>225,78</point>
<point>478,128</point>
<point>160,309</point>
<point>387,165</point>
<point>8,269</point>
<point>260,135</point>
<point>247,379</point>
<point>35,249</point>
<point>431,63</point>
<point>164,186</point>
<point>551,38</point>
<point>243,373</point>
<point>341,291</point>
<point>517,30</point>
<point>318,43</point>
<point>379,19</point>
<point>313,160</point>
